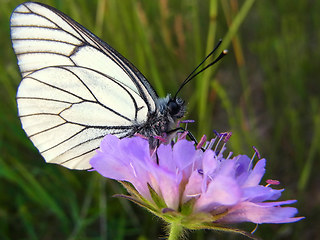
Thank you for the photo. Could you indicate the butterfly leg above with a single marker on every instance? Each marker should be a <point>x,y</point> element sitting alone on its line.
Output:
<point>181,129</point>
<point>189,134</point>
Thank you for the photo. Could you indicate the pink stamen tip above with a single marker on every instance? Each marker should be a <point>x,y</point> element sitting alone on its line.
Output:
<point>201,142</point>
<point>223,134</point>
<point>140,135</point>
<point>227,136</point>
<point>273,182</point>
<point>160,138</point>
<point>187,121</point>
<point>183,135</point>
<point>257,152</point>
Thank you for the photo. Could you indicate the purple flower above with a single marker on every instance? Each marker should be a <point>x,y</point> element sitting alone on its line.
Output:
<point>199,188</point>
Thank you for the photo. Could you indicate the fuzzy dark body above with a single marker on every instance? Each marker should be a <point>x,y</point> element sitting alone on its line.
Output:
<point>162,122</point>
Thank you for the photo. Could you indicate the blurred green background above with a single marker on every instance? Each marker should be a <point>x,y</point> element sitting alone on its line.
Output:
<point>266,91</point>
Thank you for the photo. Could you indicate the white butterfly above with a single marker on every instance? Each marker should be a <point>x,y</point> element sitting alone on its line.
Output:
<point>76,89</point>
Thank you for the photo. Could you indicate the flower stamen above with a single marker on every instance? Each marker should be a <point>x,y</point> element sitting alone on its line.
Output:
<point>229,155</point>
<point>256,153</point>
<point>153,152</point>
<point>201,142</point>
<point>211,143</point>
<point>216,133</point>
<point>161,139</point>
<point>182,135</point>
<point>134,171</point>
<point>227,136</point>
<point>221,136</point>
<point>255,229</point>
<point>140,135</point>
<point>193,195</point>
<point>186,121</point>
<point>272,182</point>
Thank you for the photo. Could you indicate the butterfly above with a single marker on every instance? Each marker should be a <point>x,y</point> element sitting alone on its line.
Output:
<point>76,89</point>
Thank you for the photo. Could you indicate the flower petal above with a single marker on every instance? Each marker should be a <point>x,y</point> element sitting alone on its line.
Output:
<point>256,175</point>
<point>165,156</point>
<point>193,187</point>
<point>260,193</point>
<point>257,213</point>
<point>223,190</point>
<point>184,153</point>
<point>242,165</point>
<point>115,161</point>
<point>209,162</point>
<point>168,184</point>
<point>226,190</point>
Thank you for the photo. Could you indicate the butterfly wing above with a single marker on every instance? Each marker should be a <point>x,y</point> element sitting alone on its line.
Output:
<point>75,87</point>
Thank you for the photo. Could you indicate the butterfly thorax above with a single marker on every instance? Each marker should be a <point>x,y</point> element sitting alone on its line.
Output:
<point>163,121</point>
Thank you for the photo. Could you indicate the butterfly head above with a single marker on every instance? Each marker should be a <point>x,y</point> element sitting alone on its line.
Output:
<point>176,107</point>
<point>172,107</point>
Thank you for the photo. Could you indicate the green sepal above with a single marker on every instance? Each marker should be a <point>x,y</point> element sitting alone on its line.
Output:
<point>156,198</point>
<point>131,190</point>
<point>196,220</point>
<point>171,215</point>
<point>187,207</point>
<point>138,199</point>
<point>217,227</point>
<point>185,217</point>
<point>142,204</point>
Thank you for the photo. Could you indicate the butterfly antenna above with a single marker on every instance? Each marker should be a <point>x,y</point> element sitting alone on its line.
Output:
<point>193,74</point>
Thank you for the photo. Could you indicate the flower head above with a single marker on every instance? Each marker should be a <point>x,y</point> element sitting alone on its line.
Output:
<point>193,185</point>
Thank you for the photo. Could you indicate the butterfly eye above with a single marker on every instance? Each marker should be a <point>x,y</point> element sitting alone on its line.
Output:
<point>173,107</point>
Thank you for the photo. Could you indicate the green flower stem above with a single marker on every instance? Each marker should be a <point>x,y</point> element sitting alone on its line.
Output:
<point>175,231</point>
